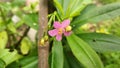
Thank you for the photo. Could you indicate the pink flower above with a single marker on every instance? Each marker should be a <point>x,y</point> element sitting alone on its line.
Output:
<point>60,28</point>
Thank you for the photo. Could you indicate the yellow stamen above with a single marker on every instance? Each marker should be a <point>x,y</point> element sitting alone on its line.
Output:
<point>60,31</point>
<point>68,28</point>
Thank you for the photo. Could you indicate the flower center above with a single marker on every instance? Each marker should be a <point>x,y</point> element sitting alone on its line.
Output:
<point>60,31</point>
<point>68,28</point>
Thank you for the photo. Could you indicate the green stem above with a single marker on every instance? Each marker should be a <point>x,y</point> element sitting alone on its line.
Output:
<point>3,15</point>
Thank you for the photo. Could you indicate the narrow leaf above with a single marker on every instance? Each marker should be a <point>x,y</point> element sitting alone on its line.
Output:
<point>98,14</point>
<point>101,42</point>
<point>70,8</point>
<point>58,5</point>
<point>83,52</point>
<point>57,55</point>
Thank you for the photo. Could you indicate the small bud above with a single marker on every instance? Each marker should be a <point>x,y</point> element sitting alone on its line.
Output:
<point>68,28</point>
<point>45,37</point>
<point>42,41</point>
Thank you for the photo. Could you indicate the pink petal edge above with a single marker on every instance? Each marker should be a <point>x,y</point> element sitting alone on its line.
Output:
<point>57,24</point>
<point>65,23</point>
<point>67,33</point>
<point>58,37</point>
<point>53,32</point>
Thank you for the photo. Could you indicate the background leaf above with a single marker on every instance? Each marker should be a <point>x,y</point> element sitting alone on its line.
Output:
<point>83,52</point>
<point>2,64</point>
<point>11,27</point>
<point>25,46</point>
<point>101,42</point>
<point>31,20</point>
<point>26,62</point>
<point>70,8</point>
<point>3,39</point>
<point>9,57</point>
<point>98,14</point>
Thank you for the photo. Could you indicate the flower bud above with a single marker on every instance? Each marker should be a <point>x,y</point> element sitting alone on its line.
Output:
<point>68,28</point>
<point>42,41</point>
<point>45,37</point>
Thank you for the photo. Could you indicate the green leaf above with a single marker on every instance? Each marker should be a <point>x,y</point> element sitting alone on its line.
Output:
<point>11,27</point>
<point>25,62</point>
<point>5,6</point>
<point>78,6</point>
<point>9,57</point>
<point>25,46</point>
<point>98,14</point>
<point>70,8</point>
<point>112,66</point>
<point>18,3</point>
<point>2,25</point>
<point>83,52</point>
<point>66,64</point>
<point>57,55</point>
<point>101,42</point>
<point>31,20</point>
<point>59,6</point>
<point>2,64</point>
<point>3,39</point>
<point>28,61</point>
<point>71,60</point>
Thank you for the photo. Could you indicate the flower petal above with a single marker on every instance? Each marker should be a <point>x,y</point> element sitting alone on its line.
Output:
<point>59,37</point>
<point>65,23</point>
<point>67,33</point>
<point>53,32</point>
<point>57,24</point>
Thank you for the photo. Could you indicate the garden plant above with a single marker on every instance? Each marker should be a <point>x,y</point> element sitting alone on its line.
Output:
<point>58,41</point>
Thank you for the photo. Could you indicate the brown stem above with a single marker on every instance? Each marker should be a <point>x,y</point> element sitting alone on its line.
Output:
<point>43,50</point>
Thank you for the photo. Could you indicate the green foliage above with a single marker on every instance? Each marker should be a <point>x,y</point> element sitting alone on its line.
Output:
<point>26,62</point>
<point>70,8</point>
<point>3,39</point>
<point>114,27</point>
<point>70,61</point>
<point>11,43</point>
<point>83,52</point>
<point>108,1</point>
<point>31,20</point>
<point>2,64</point>
<point>97,14</point>
<point>25,46</point>
<point>101,42</point>
<point>9,57</point>
<point>11,27</point>
<point>57,55</point>
<point>74,51</point>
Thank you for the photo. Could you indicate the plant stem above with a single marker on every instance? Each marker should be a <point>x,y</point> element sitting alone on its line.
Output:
<point>43,50</point>
<point>3,15</point>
